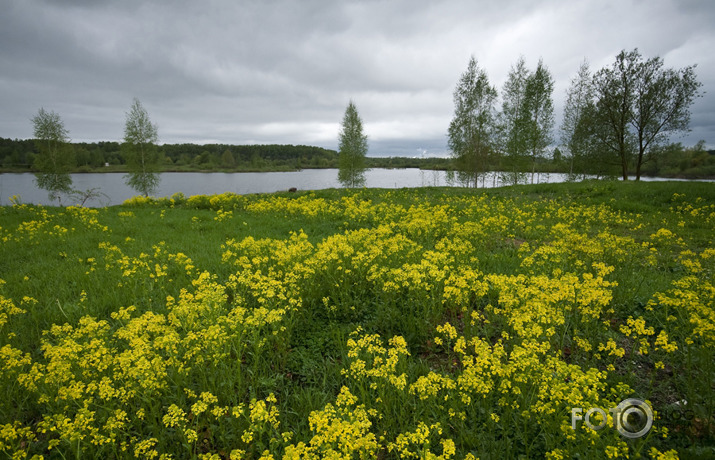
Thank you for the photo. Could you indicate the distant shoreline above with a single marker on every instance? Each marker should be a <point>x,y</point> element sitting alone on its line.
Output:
<point>120,169</point>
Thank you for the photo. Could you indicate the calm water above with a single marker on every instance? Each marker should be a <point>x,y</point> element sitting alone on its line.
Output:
<point>112,184</point>
<point>189,183</point>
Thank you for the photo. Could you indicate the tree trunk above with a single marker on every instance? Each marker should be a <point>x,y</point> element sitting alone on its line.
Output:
<point>638,167</point>
<point>624,156</point>
<point>639,162</point>
<point>624,166</point>
<point>533,167</point>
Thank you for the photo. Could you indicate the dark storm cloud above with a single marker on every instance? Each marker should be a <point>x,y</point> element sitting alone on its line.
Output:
<point>283,71</point>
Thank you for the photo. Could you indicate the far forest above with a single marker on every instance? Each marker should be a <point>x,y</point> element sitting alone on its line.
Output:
<point>18,155</point>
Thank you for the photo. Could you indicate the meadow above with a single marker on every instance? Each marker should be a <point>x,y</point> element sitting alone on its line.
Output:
<point>431,323</point>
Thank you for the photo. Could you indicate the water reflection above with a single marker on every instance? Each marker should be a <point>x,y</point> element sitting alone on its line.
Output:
<point>116,191</point>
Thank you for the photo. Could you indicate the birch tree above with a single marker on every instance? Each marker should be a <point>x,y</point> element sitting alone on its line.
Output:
<point>578,97</point>
<point>472,131</point>
<point>55,158</point>
<point>139,150</point>
<point>512,122</point>
<point>538,113</point>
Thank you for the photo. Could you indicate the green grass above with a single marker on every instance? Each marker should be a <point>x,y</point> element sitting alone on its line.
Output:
<point>358,243</point>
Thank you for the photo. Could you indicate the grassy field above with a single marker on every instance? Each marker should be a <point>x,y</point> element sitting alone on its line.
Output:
<point>413,323</point>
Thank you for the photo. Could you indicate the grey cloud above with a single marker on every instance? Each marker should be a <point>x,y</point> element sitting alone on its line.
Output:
<point>283,71</point>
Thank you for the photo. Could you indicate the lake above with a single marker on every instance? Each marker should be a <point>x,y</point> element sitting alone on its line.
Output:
<point>193,183</point>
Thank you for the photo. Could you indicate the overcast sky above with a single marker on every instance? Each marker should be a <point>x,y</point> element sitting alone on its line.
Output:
<point>263,71</point>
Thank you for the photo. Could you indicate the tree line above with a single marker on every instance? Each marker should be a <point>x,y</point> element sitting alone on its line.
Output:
<point>616,121</point>
<point>18,155</point>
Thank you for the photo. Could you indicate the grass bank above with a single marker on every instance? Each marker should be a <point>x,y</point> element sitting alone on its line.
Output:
<point>430,322</point>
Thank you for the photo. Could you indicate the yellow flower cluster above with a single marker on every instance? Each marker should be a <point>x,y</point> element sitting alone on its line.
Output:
<point>445,324</point>
<point>339,431</point>
<point>416,444</point>
<point>371,361</point>
<point>9,309</point>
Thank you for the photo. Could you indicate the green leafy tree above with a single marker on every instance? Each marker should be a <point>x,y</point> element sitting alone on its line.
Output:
<point>661,106</point>
<point>599,159</point>
<point>352,148</point>
<point>578,97</point>
<point>227,159</point>
<point>538,113</point>
<point>614,90</point>
<point>513,124</point>
<point>675,160</point>
<point>472,130</point>
<point>639,104</point>
<point>55,158</point>
<point>139,150</point>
